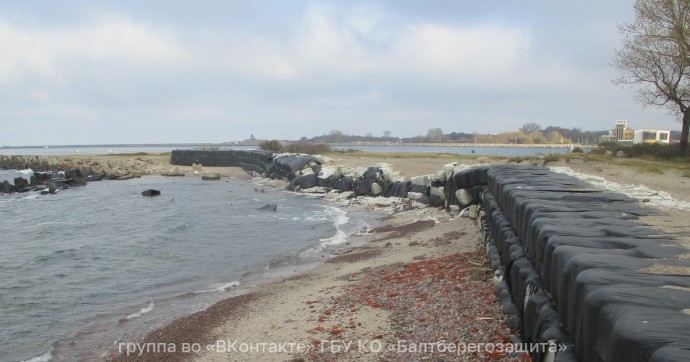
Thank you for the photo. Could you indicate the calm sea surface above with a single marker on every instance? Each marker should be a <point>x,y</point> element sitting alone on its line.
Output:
<point>464,150</point>
<point>101,150</point>
<point>459,150</point>
<point>100,264</point>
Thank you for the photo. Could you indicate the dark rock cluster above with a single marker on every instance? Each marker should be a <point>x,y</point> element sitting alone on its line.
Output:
<point>52,173</point>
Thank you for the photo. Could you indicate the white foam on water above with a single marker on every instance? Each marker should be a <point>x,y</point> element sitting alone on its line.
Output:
<point>228,286</point>
<point>223,288</point>
<point>340,218</point>
<point>27,171</point>
<point>142,311</point>
<point>660,199</point>
<point>46,357</point>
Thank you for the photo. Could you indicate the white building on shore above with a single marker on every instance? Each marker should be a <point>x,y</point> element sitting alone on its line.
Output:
<point>626,135</point>
<point>651,136</point>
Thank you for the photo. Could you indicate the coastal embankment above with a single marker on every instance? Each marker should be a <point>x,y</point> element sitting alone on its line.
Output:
<point>536,278</point>
<point>573,264</point>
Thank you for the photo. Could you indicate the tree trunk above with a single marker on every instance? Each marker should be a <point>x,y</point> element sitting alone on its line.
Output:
<point>684,133</point>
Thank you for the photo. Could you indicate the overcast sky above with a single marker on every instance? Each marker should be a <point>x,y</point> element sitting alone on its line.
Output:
<point>90,72</point>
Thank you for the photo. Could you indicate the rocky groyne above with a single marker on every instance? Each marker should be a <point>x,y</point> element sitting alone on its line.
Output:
<point>51,173</point>
<point>317,174</point>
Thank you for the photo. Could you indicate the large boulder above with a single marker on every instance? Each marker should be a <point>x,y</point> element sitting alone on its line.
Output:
<point>211,176</point>
<point>269,207</point>
<point>20,183</point>
<point>7,187</point>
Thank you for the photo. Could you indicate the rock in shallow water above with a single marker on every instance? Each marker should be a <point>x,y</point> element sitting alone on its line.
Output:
<point>269,207</point>
<point>211,176</point>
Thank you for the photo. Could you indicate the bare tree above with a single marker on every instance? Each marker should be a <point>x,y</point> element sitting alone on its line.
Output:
<point>655,57</point>
<point>530,127</point>
<point>387,134</point>
<point>336,136</point>
<point>435,135</point>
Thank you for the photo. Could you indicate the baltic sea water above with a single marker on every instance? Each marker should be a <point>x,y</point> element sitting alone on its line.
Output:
<point>94,265</point>
<point>91,266</point>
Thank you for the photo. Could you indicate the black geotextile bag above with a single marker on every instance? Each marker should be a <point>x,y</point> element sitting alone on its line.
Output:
<point>345,183</point>
<point>449,190</point>
<point>629,247</point>
<point>475,176</point>
<point>540,325</point>
<point>530,315</point>
<point>303,182</point>
<point>520,274</point>
<point>575,237</point>
<point>503,293</point>
<point>418,188</point>
<point>287,165</point>
<point>629,323</point>
<point>324,182</point>
<point>501,230</point>
<point>569,261</point>
<point>395,189</point>
<point>489,202</point>
<point>435,201</point>
<point>369,177</point>
<point>588,236</point>
<point>512,250</point>
<point>591,280</point>
<point>494,257</point>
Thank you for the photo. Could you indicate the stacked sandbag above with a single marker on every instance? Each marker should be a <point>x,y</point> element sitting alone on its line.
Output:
<point>256,163</point>
<point>292,165</point>
<point>577,268</point>
<point>308,171</point>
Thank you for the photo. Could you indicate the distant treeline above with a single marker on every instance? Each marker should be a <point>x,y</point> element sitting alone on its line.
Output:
<point>530,133</point>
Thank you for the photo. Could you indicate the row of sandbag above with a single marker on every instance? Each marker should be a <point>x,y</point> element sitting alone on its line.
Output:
<point>254,162</point>
<point>307,171</point>
<point>370,182</point>
<point>520,289</point>
<point>572,257</point>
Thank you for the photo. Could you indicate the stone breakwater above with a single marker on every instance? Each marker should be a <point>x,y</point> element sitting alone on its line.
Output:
<point>57,172</point>
<point>321,175</point>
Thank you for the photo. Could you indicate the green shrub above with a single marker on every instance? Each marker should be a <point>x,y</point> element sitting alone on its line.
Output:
<point>641,150</point>
<point>272,145</point>
<point>308,148</point>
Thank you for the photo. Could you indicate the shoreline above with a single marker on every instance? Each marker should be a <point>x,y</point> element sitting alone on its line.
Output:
<point>304,309</point>
<point>410,237</point>
<point>259,317</point>
<point>307,308</point>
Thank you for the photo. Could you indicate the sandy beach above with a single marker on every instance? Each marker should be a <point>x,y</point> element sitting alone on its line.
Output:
<point>417,288</point>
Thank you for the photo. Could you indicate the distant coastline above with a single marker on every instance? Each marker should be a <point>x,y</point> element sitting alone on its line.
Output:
<point>475,149</point>
<point>502,145</point>
<point>388,144</point>
<point>119,145</point>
